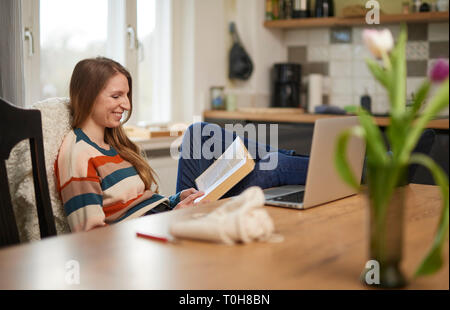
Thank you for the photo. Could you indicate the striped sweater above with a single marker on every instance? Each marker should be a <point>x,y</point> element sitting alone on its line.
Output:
<point>98,187</point>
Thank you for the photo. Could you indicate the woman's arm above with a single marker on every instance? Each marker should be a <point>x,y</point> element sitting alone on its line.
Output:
<point>82,197</point>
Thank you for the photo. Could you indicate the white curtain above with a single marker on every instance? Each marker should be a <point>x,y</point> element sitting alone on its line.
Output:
<point>11,51</point>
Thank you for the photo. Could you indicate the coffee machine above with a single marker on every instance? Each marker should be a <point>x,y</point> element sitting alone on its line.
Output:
<point>285,85</point>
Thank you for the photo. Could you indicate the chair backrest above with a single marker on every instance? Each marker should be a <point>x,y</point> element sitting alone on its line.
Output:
<point>17,124</point>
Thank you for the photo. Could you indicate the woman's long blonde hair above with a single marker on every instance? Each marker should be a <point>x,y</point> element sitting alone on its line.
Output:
<point>88,79</point>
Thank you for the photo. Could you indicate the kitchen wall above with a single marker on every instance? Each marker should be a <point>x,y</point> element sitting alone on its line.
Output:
<point>198,54</point>
<point>265,47</point>
<point>346,76</point>
<point>201,43</point>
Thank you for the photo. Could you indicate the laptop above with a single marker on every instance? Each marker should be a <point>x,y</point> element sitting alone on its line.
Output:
<point>323,184</point>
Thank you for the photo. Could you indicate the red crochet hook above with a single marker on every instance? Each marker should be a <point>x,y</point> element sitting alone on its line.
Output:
<point>155,238</point>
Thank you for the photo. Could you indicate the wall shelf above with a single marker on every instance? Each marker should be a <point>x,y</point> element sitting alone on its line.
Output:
<point>428,17</point>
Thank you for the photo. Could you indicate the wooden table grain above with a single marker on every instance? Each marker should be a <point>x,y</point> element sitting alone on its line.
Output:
<point>324,248</point>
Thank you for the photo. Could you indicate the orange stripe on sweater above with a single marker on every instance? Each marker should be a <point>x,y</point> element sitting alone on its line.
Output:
<point>101,160</point>
<point>98,161</point>
<point>92,179</point>
<point>112,209</point>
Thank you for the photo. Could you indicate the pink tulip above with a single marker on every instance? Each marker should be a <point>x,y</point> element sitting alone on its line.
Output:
<point>378,42</point>
<point>439,71</point>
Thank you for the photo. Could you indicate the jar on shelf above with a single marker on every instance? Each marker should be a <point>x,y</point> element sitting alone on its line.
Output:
<point>405,7</point>
<point>442,5</point>
<point>217,98</point>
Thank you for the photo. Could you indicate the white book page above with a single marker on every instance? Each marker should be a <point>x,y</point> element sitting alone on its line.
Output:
<point>228,163</point>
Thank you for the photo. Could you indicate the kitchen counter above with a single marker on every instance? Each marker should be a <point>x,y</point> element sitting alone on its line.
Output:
<point>295,131</point>
<point>157,143</point>
<point>264,116</point>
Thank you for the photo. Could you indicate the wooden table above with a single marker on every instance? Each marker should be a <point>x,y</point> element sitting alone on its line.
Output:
<point>324,248</point>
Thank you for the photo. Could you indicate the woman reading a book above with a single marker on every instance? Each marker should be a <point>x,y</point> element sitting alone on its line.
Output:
<point>102,178</point>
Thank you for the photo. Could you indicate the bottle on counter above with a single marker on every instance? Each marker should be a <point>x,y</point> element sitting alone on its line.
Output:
<point>366,102</point>
<point>315,92</point>
<point>405,7</point>
<point>425,7</point>
<point>217,98</point>
<point>276,9</point>
<point>442,5</point>
<point>328,8</point>
<point>324,8</point>
<point>318,10</point>
<point>301,9</point>
<point>281,11</point>
<point>416,6</point>
<point>269,11</point>
<point>287,9</point>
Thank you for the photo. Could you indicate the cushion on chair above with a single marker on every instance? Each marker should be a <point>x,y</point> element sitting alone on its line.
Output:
<point>56,121</point>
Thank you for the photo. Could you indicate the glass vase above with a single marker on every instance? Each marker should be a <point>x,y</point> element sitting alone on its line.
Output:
<point>385,232</point>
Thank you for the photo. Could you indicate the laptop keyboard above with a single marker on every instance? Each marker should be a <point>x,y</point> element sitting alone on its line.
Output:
<point>294,197</point>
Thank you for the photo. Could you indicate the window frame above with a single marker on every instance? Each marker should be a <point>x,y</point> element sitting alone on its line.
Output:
<point>127,41</point>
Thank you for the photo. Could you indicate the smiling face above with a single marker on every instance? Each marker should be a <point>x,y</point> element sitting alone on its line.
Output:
<point>111,102</point>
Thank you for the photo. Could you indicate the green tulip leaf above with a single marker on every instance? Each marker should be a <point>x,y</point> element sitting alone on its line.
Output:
<point>376,149</point>
<point>340,159</point>
<point>378,72</point>
<point>398,84</point>
<point>419,98</point>
<point>436,104</point>
<point>433,260</point>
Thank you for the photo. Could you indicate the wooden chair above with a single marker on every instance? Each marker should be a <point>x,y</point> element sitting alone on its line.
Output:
<point>17,124</point>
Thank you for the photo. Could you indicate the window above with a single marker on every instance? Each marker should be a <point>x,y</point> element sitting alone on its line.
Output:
<point>132,32</point>
<point>154,68</point>
<point>67,38</point>
<point>146,37</point>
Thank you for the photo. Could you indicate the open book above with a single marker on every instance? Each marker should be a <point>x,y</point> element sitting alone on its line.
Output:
<point>231,167</point>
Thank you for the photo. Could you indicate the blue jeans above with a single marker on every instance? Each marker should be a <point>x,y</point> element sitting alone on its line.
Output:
<point>289,169</point>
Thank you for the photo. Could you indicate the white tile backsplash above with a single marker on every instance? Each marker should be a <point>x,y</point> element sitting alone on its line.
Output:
<point>380,90</point>
<point>417,50</point>
<point>341,100</point>
<point>360,52</point>
<point>326,85</point>
<point>364,85</point>
<point>356,100</point>
<point>318,53</point>
<point>341,86</point>
<point>349,76</point>
<point>360,69</point>
<point>340,68</point>
<point>357,35</point>
<point>380,104</point>
<point>296,37</point>
<point>341,52</point>
<point>319,36</point>
<point>438,32</point>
